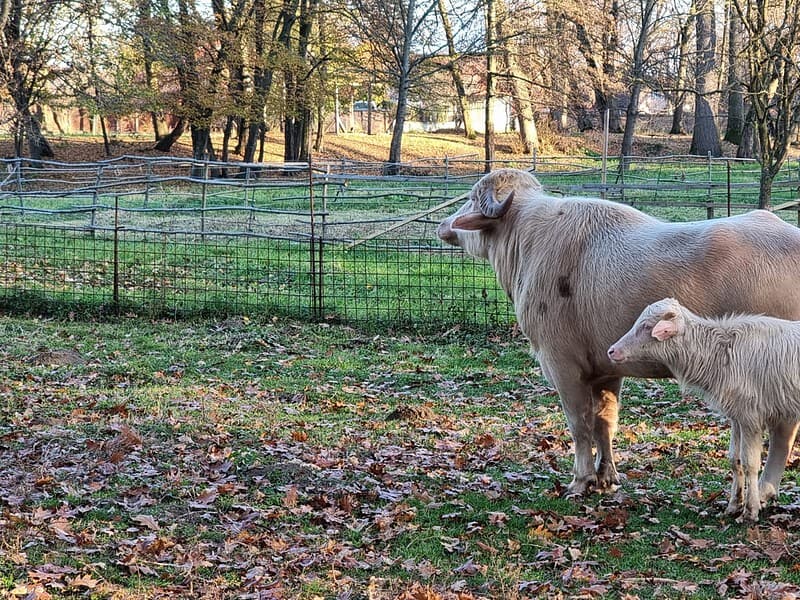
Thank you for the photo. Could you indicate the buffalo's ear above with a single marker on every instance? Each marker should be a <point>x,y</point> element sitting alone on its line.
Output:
<point>473,221</point>
<point>664,330</point>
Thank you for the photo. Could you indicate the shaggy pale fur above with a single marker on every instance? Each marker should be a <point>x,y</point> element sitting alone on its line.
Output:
<point>579,271</point>
<point>746,366</point>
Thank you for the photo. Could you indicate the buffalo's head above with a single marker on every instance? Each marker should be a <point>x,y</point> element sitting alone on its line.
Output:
<point>489,201</point>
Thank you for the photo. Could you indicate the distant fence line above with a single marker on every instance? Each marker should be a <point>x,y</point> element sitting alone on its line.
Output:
<point>166,236</point>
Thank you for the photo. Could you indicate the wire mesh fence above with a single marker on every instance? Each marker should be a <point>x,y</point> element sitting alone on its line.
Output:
<point>168,237</point>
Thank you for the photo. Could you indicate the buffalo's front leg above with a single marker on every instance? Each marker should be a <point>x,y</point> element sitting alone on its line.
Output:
<point>576,400</point>
<point>606,405</point>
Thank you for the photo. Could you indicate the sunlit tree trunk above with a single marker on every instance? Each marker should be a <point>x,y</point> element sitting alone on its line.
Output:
<point>637,77</point>
<point>403,86</point>
<point>455,73</point>
<point>705,135</point>
<point>491,69</point>
<point>735,123</point>
<point>682,78</point>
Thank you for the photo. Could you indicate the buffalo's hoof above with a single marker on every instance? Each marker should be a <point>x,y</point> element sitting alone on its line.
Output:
<point>580,487</point>
<point>733,509</point>
<point>608,479</point>
<point>766,492</point>
<point>749,515</point>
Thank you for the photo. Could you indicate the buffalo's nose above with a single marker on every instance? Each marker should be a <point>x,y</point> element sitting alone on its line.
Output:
<point>446,233</point>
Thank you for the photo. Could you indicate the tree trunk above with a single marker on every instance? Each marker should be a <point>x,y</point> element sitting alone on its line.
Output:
<point>520,91</point>
<point>748,145</point>
<point>682,77</point>
<point>632,115</point>
<point>735,124</point>
<point>585,121</point>
<point>403,86</point>
<point>319,137</point>
<point>202,150</point>
<point>604,102</point>
<point>226,138</point>
<point>165,143</point>
<point>38,146</point>
<point>638,76</point>
<point>392,167</point>
<point>488,138</point>
<point>705,135</point>
<point>765,187</point>
<point>104,131</point>
<point>455,73</point>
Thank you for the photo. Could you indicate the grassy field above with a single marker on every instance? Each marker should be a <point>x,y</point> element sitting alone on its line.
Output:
<point>279,459</point>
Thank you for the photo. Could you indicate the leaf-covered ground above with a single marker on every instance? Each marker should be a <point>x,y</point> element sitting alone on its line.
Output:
<point>277,459</point>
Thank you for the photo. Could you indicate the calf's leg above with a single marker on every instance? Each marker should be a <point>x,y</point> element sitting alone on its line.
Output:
<point>736,498</point>
<point>781,440</point>
<point>751,461</point>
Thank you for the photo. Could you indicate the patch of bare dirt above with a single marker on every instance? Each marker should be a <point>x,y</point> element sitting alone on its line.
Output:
<point>375,148</point>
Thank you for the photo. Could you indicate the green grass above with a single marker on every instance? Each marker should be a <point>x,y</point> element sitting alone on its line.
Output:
<point>227,457</point>
<point>55,271</point>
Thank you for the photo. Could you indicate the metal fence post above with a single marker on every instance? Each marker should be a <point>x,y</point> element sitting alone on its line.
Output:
<point>115,289</point>
<point>204,192</point>
<point>148,176</point>
<point>96,197</point>
<point>710,199</point>
<point>728,164</point>
<point>249,199</point>
<point>316,275</point>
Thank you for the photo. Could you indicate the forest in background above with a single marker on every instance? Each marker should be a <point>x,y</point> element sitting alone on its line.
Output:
<point>727,68</point>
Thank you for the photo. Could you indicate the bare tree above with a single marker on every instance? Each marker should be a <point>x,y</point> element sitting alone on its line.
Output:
<point>455,71</point>
<point>682,74</point>
<point>28,46</point>
<point>705,135</point>
<point>735,89</point>
<point>646,17</point>
<point>596,31</point>
<point>508,34</point>
<point>406,45</point>
<point>772,48</point>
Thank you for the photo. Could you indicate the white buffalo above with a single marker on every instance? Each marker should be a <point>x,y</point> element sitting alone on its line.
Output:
<point>579,271</point>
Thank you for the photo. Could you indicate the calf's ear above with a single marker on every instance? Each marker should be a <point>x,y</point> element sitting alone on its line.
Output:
<point>473,221</point>
<point>663,330</point>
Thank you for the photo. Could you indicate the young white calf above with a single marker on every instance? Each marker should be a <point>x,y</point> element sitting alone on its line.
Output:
<point>747,367</point>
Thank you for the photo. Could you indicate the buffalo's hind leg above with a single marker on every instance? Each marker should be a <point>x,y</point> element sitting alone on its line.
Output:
<point>605,399</point>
